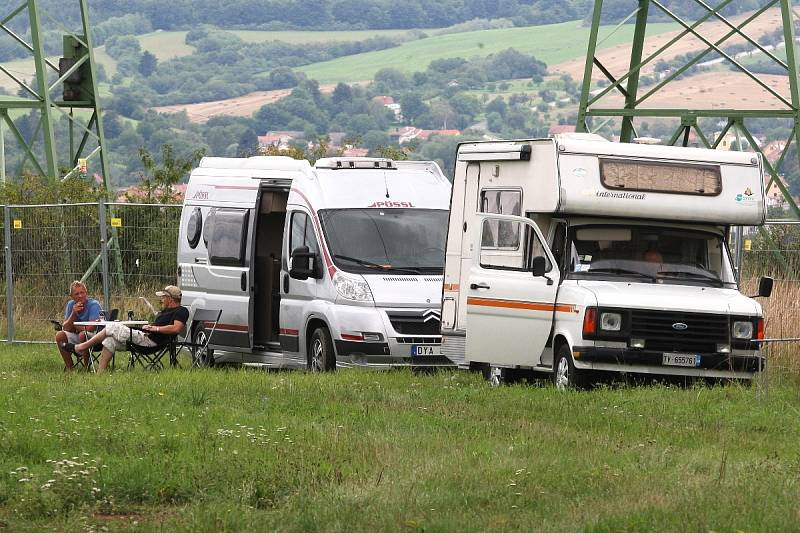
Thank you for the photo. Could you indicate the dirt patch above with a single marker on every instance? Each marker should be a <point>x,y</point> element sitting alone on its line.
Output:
<point>617,59</point>
<point>712,90</point>
<point>241,106</point>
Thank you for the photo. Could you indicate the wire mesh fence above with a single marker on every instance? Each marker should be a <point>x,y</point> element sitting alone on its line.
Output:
<point>121,251</point>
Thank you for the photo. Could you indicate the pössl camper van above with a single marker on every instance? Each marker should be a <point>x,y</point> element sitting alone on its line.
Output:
<point>591,256</point>
<point>336,264</point>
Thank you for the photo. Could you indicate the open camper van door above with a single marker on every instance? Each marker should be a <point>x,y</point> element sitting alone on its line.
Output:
<point>512,289</point>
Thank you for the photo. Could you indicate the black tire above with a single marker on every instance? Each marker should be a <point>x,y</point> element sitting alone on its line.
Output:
<point>321,355</point>
<point>565,375</point>
<point>201,358</point>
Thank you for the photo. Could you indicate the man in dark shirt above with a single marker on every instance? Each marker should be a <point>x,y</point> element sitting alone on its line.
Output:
<point>168,323</point>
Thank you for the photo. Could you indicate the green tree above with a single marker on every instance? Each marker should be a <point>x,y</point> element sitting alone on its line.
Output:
<point>159,178</point>
<point>147,64</point>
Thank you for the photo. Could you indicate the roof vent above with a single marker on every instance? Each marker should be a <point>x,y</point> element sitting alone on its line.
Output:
<point>339,163</point>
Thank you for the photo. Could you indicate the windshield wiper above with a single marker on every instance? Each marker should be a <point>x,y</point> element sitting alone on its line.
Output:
<point>622,271</point>
<point>370,264</point>
<point>710,276</point>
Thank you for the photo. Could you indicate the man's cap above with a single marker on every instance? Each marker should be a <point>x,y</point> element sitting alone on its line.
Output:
<point>171,291</point>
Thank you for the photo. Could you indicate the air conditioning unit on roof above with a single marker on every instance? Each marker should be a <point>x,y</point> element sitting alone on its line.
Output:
<point>336,163</point>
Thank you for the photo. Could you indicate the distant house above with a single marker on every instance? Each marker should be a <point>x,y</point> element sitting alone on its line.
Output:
<point>389,103</point>
<point>558,129</point>
<point>355,152</point>
<point>280,139</point>
<point>409,133</point>
<point>774,196</point>
<point>136,193</point>
<point>772,150</point>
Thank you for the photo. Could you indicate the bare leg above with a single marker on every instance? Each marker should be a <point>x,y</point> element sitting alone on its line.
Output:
<point>61,338</point>
<point>105,357</point>
<point>94,341</point>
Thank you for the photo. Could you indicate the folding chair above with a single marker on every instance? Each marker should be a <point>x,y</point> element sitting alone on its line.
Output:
<point>151,357</point>
<point>94,354</point>
<point>203,325</point>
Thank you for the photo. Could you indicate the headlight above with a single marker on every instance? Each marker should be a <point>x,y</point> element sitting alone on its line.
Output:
<point>352,288</point>
<point>742,330</point>
<point>610,321</point>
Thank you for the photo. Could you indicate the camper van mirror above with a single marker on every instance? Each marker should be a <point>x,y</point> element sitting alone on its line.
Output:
<point>304,264</point>
<point>539,266</point>
<point>765,286</point>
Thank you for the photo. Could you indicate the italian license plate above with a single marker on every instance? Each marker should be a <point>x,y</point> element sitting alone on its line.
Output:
<point>681,359</point>
<point>425,349</point>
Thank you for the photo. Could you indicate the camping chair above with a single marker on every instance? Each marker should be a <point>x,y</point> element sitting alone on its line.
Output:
<point>152,358</point>
<point>94,354</point>
<point>204,324</point>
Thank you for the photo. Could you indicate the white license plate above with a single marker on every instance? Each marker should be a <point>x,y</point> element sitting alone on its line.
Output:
<point>681,359</point>
<point>426,349</point>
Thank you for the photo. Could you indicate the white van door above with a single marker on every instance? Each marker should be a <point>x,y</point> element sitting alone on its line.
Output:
<point>226,273</point>
<point>296,293</point>
<point>511,296</point>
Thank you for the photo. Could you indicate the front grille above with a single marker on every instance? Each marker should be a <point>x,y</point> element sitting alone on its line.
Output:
<point>419,340</point>
<point>415,324</point>
<point>703,332</point>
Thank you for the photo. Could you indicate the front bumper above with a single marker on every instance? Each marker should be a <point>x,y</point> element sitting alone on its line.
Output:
<point>735,365</point>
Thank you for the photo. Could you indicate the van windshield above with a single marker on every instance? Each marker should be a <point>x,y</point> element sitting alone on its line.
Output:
<point>402,241</point>
<point>649,254</point>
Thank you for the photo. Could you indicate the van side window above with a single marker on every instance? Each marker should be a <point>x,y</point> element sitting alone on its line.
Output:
<point>498,233</point>
<point>519,258</point>
<point>228,240</point>
<point>302,233</point>
<point>194,227</point>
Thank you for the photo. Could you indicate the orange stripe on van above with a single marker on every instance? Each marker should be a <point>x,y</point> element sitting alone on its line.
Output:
<point>451,286</point>
<point>517,304</point>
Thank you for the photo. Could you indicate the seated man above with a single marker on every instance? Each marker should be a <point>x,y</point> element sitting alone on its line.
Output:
<point>80,308</point>
<point>168,323</point>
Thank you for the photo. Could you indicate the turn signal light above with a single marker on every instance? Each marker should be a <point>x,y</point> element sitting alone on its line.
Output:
<point>760,329</point>
<point>590,321</point>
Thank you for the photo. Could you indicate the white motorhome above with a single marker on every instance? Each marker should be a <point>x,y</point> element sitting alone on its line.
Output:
<point>336,264</point>
<point>575,255</point>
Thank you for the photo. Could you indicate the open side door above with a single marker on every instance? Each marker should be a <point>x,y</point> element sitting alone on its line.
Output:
<point>512,286</point>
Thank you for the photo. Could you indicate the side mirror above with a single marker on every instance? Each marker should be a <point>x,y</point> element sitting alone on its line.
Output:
<point>765,286</point>
<point>539,266</point>
<point>303,264</point>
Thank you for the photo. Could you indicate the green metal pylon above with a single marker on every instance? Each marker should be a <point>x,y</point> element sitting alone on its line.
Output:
<point>627,83</point>
<point>76,76</point>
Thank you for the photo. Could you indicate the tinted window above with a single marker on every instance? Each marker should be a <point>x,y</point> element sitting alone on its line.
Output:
<point>501,233</point>
<point>227,243</point>
<point>194,228</point>
<point>519,257</point>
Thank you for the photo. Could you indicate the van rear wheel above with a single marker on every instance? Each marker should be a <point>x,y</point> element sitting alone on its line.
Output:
<point>321,357</point>
<point>565,375</point>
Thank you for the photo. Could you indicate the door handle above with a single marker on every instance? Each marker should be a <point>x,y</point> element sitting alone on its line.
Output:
<point>476,286</point>
<point>201,260</point>
<point>286,283</point>
<point>244,281</point>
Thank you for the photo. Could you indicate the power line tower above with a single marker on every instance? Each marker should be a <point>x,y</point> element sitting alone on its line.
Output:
<point>74,76</point>
<point>729,51</point>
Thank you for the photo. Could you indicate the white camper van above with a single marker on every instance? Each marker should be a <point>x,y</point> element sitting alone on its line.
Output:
<point>575,255</point>
<point>336,264</point>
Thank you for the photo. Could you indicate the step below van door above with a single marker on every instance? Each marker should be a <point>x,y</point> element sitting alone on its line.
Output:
<point>511,292</point>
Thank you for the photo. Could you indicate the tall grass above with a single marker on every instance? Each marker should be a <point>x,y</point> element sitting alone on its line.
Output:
<point>223,449</point>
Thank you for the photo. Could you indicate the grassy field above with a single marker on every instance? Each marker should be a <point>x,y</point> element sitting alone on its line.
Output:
<point>363,451</point>
<point>552,44</point>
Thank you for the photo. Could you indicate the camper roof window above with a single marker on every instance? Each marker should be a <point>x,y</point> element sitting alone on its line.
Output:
<point>656,176</point>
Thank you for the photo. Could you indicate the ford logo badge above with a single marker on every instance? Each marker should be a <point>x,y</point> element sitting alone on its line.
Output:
<point>680,326</point>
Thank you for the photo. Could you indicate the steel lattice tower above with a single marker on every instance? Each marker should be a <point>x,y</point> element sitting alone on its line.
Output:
<point>625,99</point>
<point>76,81</point>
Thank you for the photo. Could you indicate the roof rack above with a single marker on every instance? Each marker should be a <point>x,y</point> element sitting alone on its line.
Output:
<point>339,163</point>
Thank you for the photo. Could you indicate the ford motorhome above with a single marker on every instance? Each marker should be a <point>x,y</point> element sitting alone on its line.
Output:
<point>575,255</point>
<point>336,264</point>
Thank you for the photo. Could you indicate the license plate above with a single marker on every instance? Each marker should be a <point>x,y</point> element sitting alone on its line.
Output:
<point>681,359</point>
<point>425,349</point>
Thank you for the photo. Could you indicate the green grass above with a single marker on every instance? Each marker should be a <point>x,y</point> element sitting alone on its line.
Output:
<point>371,451</point>
<point>552,44</point>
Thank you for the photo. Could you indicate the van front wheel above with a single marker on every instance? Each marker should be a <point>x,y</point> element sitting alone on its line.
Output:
<point>321,357</point>
<point>565,375</point>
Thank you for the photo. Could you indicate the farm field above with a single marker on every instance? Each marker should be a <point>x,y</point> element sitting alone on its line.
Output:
<point>218,449</point>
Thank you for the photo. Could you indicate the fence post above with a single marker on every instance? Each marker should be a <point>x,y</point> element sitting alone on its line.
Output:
<point>9,275</point>
<point>101,208</point>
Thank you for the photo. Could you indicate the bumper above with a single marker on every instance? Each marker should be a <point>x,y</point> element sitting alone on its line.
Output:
<point>650,362</point>
<point>379,355</point>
